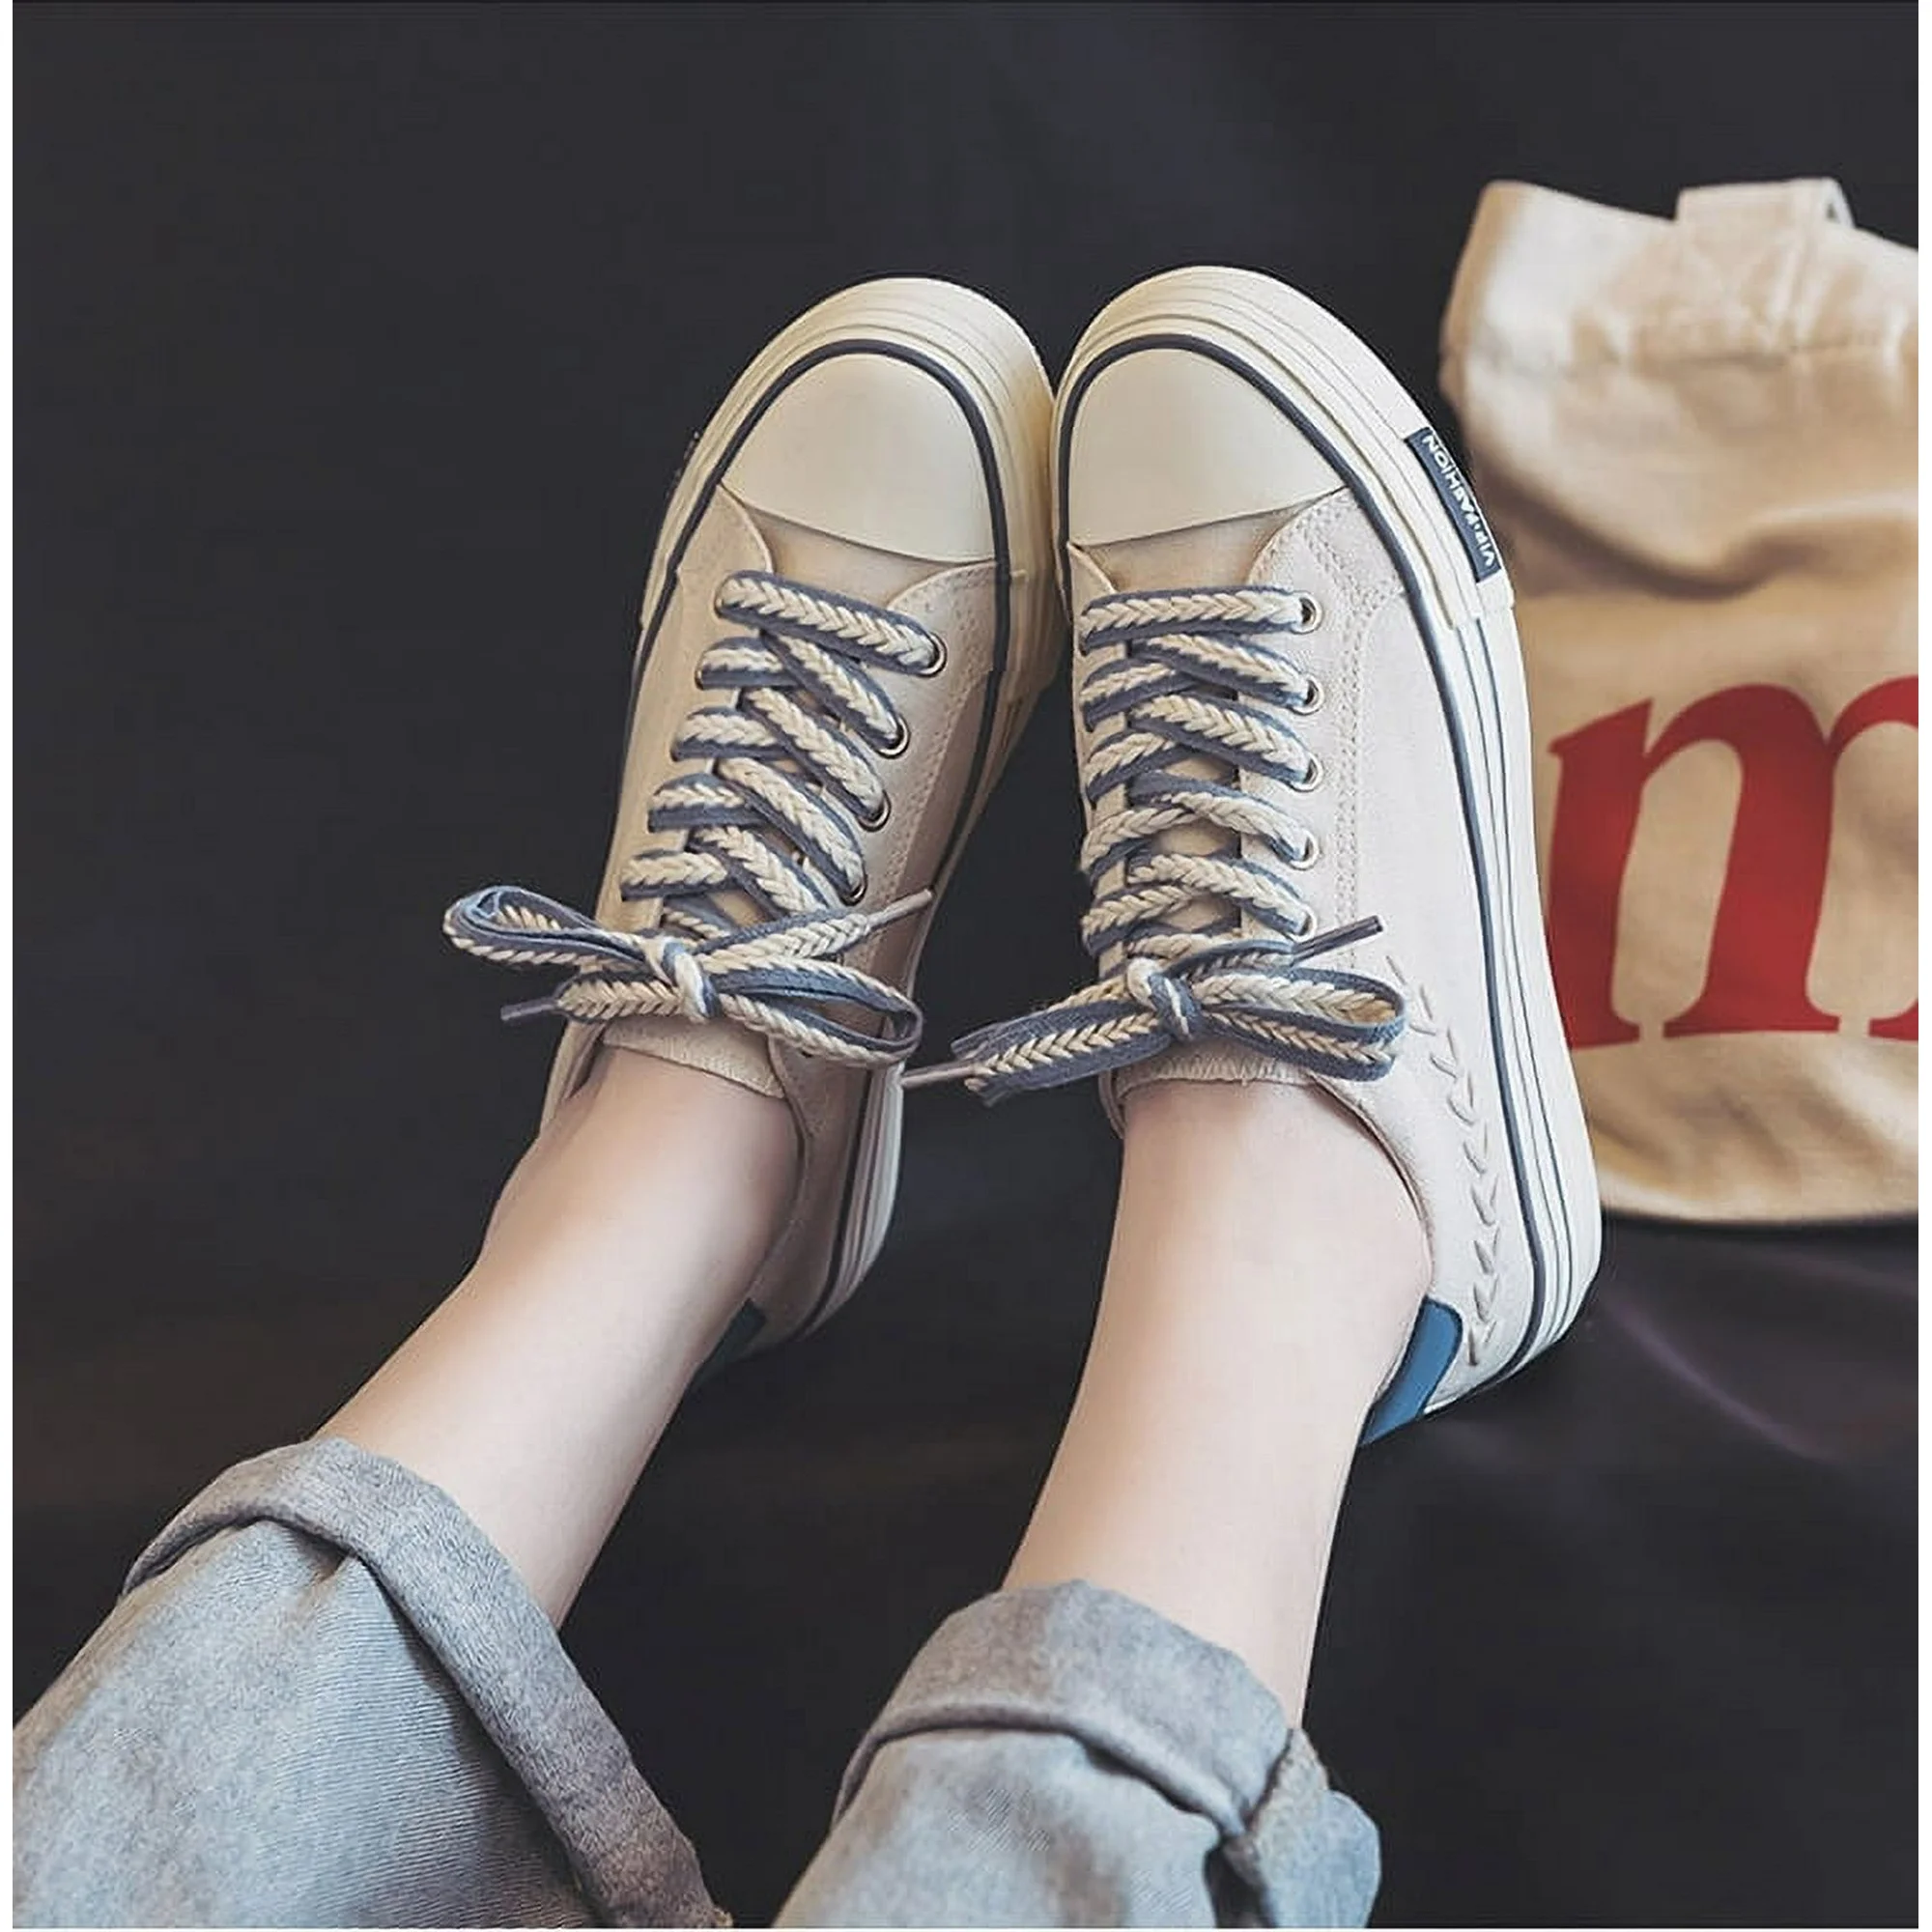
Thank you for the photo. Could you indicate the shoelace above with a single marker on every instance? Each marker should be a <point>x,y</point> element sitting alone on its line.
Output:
<point>775,816</point>
<point>1189,676</point>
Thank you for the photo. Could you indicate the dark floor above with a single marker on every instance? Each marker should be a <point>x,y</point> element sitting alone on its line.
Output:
<point>356,348</point>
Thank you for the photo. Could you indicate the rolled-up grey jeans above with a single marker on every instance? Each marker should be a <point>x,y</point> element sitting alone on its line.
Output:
<point>324,1698</point>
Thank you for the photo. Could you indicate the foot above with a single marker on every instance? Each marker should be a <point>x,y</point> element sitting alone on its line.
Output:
<point>1306,764</point>
<point>849,613</point>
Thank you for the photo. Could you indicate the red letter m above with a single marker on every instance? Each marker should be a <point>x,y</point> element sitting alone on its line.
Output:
<point>1773,880</point>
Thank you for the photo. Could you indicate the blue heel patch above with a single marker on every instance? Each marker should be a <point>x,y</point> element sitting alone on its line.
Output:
<point>1431,1347</point>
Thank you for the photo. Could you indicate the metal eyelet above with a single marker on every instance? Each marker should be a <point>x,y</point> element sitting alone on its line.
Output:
<point>1310,614</point>
<point>1309,779</point>
<point>1308,856</point>
<point>938,663</point>
<point>873,823</point>
<point>851,899</point>
<point>1311,699</point>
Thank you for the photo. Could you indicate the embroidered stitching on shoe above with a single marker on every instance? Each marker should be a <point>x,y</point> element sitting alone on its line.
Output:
<point>1485,1181</point>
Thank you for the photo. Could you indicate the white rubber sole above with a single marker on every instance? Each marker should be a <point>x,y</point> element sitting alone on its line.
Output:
<point>999,376</point>
<point>1347,400</point>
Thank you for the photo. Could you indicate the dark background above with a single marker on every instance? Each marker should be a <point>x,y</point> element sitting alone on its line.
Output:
<point>355,350</point>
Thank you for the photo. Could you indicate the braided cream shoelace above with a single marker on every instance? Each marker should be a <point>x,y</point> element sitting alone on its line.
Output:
<point>1195,681</point>
<point>775,817</point>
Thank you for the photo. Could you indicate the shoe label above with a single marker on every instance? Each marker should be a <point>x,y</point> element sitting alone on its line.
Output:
<point>1459,500</point>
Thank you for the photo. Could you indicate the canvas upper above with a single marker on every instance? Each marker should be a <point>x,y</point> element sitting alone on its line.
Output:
<point>849,613</point>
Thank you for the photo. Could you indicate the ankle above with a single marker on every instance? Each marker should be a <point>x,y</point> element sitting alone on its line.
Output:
<point>647,1160</point>
<point>1272,1200</point>
<point>622,1246</point>
<point>1266,1271</point>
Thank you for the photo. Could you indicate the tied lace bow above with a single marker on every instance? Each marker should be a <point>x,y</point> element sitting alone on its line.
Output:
<point>769,826</point>
<point>1257,994</point>
<point>777,978</point>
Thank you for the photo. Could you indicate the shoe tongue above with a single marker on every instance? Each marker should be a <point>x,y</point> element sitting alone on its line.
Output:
<point>1207,556</point>
<point>722,1047</point>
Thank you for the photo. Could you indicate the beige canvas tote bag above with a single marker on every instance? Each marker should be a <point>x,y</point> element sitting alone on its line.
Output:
<point>1697,440</point>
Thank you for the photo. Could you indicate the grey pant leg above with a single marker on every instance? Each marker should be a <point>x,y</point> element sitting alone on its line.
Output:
<point>327,1698</point>
<point>1067,1757</point>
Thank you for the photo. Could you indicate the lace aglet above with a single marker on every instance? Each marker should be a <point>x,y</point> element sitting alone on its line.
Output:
<point>902,908</point>
<point>530,1010</point>
<point>944,1073</point>
<point>1339,936</point>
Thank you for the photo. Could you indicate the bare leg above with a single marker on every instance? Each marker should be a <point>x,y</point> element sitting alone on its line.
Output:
<point>619,1250</point>
<point>1266,1270</point>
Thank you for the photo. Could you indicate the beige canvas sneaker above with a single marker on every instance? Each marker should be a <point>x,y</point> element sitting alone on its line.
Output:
<point>849,613</point>
<point>1305,756</point>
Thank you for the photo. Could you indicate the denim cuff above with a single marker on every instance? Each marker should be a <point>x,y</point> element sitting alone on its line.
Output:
<point>452,1585</point>
<point>1184,1716</point>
